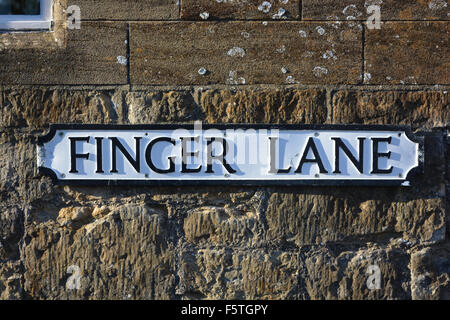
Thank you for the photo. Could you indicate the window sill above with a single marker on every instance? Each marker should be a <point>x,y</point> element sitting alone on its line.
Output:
<point>25,25</point>
<point>44,35</point>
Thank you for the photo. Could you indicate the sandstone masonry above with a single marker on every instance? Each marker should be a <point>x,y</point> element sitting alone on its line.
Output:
<point>293,62</point>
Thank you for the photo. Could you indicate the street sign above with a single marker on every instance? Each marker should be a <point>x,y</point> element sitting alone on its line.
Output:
<point>197,154</point>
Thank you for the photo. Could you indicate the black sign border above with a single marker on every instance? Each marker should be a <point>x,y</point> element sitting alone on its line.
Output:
<point>222,182</point>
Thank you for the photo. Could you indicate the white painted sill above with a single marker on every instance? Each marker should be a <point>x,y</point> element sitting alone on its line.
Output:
<point>29,22</point>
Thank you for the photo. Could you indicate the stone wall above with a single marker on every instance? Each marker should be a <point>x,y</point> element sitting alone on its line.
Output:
<point>302,62</point>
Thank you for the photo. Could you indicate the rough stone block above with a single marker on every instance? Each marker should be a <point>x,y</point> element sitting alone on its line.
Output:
<point>231,225</point>
<point>127,10</point>
<point>389,9</point>
<point>36,108</point>
<point>408,53</point>
<point>365,215</point>
<point>332,272</point>
<point>125,254</point>
<point>430,278</point>
<point>11,279</point>
<point>11,231</point>
<point>418,109</point>
<point>239,9</point>
<point>307,106</point>
<point>346,273</point>
<point>84,59</point>
<point>250,105</point>
<point>19,183</point>
<point>231,216</point>
<point>162,106</point>
<point>255,274</point>
<point>237,53</point>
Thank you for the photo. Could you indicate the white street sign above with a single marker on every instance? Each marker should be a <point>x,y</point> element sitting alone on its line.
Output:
<point>224,154</point>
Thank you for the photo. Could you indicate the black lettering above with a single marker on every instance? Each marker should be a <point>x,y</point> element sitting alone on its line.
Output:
<point>311,146</point>
<point>116,144</point>
<point>99,142</point>
<point>220,158</point>
<point>148,156</point>
<point>186,155</point>
<point>376,155</point>
<point>273,168</point>
<point>73,152</point>
<point>339,144</point>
